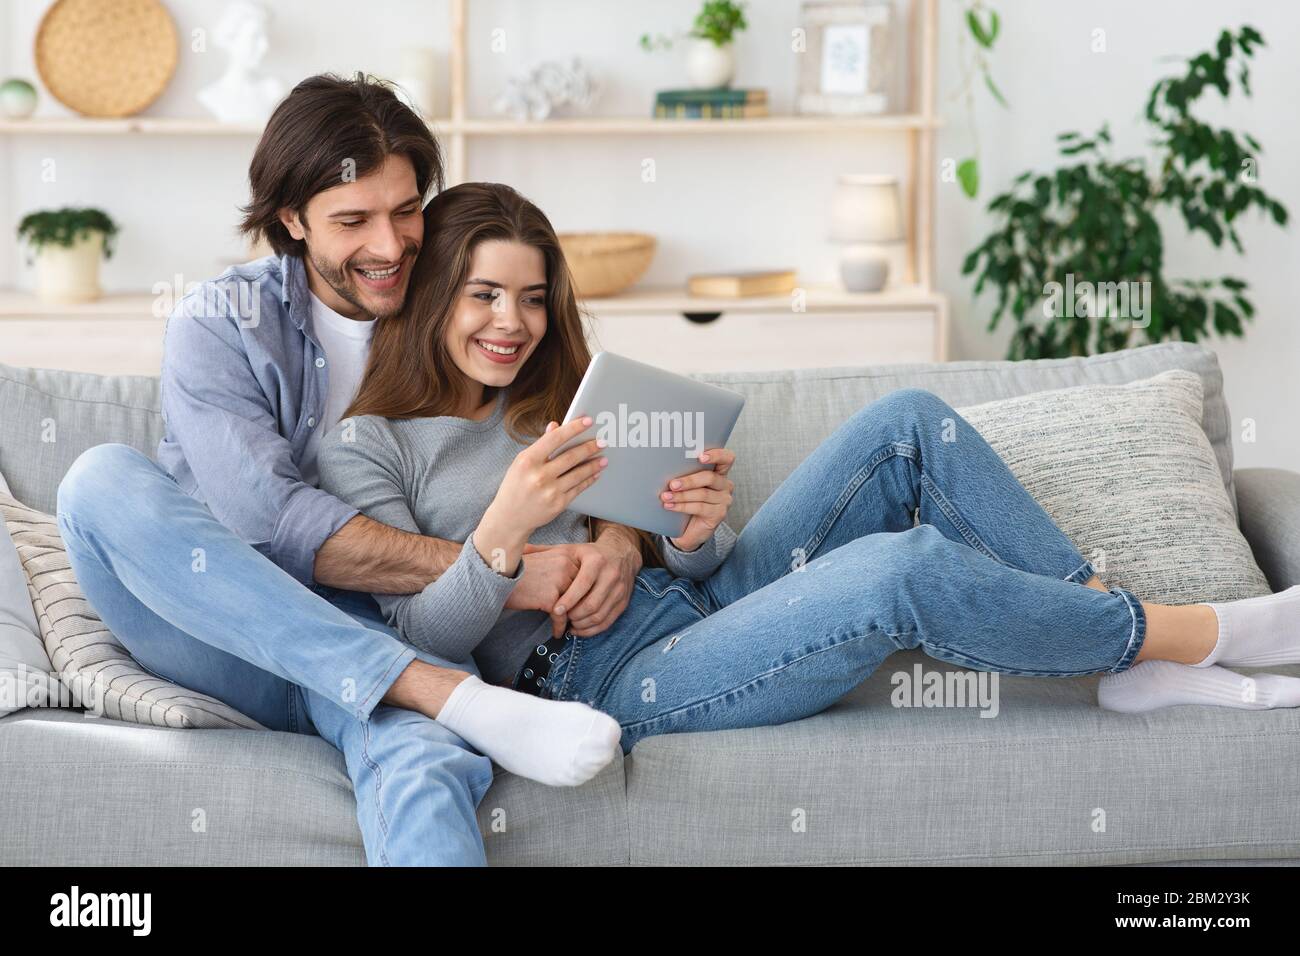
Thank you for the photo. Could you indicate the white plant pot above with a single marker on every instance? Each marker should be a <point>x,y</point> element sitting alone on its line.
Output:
<point>70,273</point>
<point>709,65</point>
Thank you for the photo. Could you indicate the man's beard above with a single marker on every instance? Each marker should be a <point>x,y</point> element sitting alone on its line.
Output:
<point>340,279</point>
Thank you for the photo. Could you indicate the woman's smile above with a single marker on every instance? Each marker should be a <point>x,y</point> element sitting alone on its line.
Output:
<point>501,351</point>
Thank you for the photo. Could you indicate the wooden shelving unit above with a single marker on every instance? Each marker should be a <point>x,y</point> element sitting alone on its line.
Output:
<point>914,130</point>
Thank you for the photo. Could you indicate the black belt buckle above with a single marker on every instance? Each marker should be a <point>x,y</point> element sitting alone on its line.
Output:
<point>535,673</point>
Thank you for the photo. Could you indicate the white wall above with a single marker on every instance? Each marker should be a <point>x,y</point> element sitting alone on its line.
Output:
<point>1044,65</point>
<point>718,202</point>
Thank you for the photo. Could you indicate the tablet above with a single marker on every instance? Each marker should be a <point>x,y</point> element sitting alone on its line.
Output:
<point>656,424</point>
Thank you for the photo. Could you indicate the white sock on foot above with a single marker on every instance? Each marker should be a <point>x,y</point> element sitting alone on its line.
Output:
<point>1154,684</point>
<point>1258,631</point>
<point>557,742</point>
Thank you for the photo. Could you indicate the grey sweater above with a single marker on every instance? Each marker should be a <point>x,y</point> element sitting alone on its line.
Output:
<point>437,476</point>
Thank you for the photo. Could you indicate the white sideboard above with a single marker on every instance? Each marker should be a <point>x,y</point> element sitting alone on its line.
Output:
<point>119,335</point>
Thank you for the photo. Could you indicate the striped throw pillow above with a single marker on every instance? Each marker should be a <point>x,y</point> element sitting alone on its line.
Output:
<point>97,670</point>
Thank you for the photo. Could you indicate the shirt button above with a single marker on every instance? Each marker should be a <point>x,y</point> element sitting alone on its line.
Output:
<point>311,423</point>
<point>320,363</point>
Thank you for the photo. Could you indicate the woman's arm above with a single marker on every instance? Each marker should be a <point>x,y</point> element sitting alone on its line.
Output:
<point>452,614</point>
<point>704,560</point>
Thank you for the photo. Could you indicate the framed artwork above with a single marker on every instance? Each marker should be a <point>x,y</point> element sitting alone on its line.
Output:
<point>849,57</point>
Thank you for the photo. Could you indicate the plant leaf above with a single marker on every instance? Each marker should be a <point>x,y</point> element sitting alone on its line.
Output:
<point>968,174</point>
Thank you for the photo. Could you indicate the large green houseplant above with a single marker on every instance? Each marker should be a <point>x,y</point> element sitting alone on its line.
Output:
<point>1077,258</point>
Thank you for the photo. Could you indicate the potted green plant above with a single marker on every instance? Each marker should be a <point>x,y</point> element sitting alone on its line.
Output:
<point>66,246</point>
<point>711,57</point>
<point>1077,255</point>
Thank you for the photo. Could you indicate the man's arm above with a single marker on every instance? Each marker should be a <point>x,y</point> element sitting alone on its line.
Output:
<point>220,418</point>
<point>366,555</point>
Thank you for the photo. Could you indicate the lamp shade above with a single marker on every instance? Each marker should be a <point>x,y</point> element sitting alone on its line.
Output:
<point>866,209</point>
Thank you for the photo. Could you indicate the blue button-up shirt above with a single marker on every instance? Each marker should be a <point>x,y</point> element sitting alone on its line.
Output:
<point>243,387</point>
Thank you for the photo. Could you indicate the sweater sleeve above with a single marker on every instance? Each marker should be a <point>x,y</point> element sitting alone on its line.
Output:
<point>360,462</point>
<point>704,560</point>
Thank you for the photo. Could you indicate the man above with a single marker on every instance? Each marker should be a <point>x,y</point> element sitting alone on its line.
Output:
<point>224,568</point>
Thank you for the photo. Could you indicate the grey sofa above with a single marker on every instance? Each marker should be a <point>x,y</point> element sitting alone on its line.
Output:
<point>861,783</point>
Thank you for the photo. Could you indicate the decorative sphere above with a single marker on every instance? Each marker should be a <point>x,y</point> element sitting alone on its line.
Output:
<point>17,99</point>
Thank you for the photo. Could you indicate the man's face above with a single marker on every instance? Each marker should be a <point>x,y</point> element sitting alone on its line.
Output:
<point>362,238</point>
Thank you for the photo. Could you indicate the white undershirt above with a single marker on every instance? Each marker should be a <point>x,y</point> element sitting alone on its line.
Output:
<point>347,345</point>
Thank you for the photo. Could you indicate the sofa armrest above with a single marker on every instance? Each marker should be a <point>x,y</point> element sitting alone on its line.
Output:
<point>1268,502</point>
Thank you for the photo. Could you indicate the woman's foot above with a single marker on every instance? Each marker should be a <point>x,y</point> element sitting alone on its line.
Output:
<point>558,743</point>
<point>1258,632</point>
<point>1154,684</point>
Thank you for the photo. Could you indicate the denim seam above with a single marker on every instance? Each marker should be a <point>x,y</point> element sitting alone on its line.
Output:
<point>377,773</point>
<point>958,521</point>
<point>575,650</point>
<point>1082,574</point>
<point>846,494</point>
<point>1136,637</point>
<point>617,667</point>
<point>365,707</point>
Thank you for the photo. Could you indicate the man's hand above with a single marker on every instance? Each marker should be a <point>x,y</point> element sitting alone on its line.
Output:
<point>548,572</point>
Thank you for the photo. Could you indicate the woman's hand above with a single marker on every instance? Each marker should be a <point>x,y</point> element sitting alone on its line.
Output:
<point>534,491</point>
<point>705,495</point>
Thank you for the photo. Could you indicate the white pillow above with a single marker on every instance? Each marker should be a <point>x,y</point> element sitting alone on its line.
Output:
<point>26,675</point>
<point>1128,474</point>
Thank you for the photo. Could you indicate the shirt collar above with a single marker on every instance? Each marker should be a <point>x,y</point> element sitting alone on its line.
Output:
<point>294,293</point>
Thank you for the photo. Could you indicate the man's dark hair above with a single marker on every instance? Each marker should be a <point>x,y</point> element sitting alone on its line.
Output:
<point>328,131</point>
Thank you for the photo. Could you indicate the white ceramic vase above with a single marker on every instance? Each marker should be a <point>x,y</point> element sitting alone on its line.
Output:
<point>70,273</point>
<point>709,65</point>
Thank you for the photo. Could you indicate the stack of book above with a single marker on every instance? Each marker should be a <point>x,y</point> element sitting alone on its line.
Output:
<point>718,103</point>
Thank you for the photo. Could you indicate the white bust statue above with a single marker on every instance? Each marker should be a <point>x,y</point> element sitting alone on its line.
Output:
<point>244,94</point>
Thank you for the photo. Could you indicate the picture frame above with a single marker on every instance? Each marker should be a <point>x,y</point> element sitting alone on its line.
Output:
<point>849,59</point>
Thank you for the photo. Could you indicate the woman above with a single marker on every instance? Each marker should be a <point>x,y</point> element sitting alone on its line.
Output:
<point>450,435</point>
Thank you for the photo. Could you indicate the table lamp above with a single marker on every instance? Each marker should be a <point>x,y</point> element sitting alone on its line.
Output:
<point>865,214</point>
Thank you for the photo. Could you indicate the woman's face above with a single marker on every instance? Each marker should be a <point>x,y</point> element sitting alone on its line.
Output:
<point>500,316</point>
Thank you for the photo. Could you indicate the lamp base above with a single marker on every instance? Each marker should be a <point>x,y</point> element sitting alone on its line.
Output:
<point>863,269</point>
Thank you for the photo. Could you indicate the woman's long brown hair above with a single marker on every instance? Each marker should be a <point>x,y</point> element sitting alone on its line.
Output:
<point>411,375</point>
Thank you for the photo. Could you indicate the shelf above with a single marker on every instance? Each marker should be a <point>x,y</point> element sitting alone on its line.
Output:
<point>602,125</point>
<point>130,126</point>
<point>583,126</point>
<point>820,298</point>
<point>18,304</point>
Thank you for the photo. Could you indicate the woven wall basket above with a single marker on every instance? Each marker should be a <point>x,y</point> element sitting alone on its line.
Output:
<point>106,57</point>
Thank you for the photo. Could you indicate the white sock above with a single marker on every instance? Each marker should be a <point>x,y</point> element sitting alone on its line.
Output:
<point>557,742</point>
<point>1153,684</point>
<point>1258,631</point>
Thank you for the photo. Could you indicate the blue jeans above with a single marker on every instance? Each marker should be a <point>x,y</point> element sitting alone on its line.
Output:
<point>831,576</point>
<point>197,606</point>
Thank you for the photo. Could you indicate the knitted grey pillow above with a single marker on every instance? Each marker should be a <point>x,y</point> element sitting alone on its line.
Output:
<point>90,660</point>
<point>1127,473</point>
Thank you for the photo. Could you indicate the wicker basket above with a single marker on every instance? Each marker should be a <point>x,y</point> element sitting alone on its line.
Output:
<point>106,57</point>
<point>606,263</point>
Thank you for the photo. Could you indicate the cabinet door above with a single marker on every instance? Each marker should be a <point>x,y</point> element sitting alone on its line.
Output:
<point>745,342</point>
<point>100,344</point>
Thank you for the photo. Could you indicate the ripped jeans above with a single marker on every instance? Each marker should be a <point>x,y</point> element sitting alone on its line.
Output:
<point>833,574</point>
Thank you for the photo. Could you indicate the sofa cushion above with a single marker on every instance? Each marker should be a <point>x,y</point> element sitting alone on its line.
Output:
<point>95,792</point>
<point>51,417</point>
<point>1051,779</point>
<point>1129,476</point>
<point>26,675</point>
<point>98,671</point>
<point>788,413</point>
